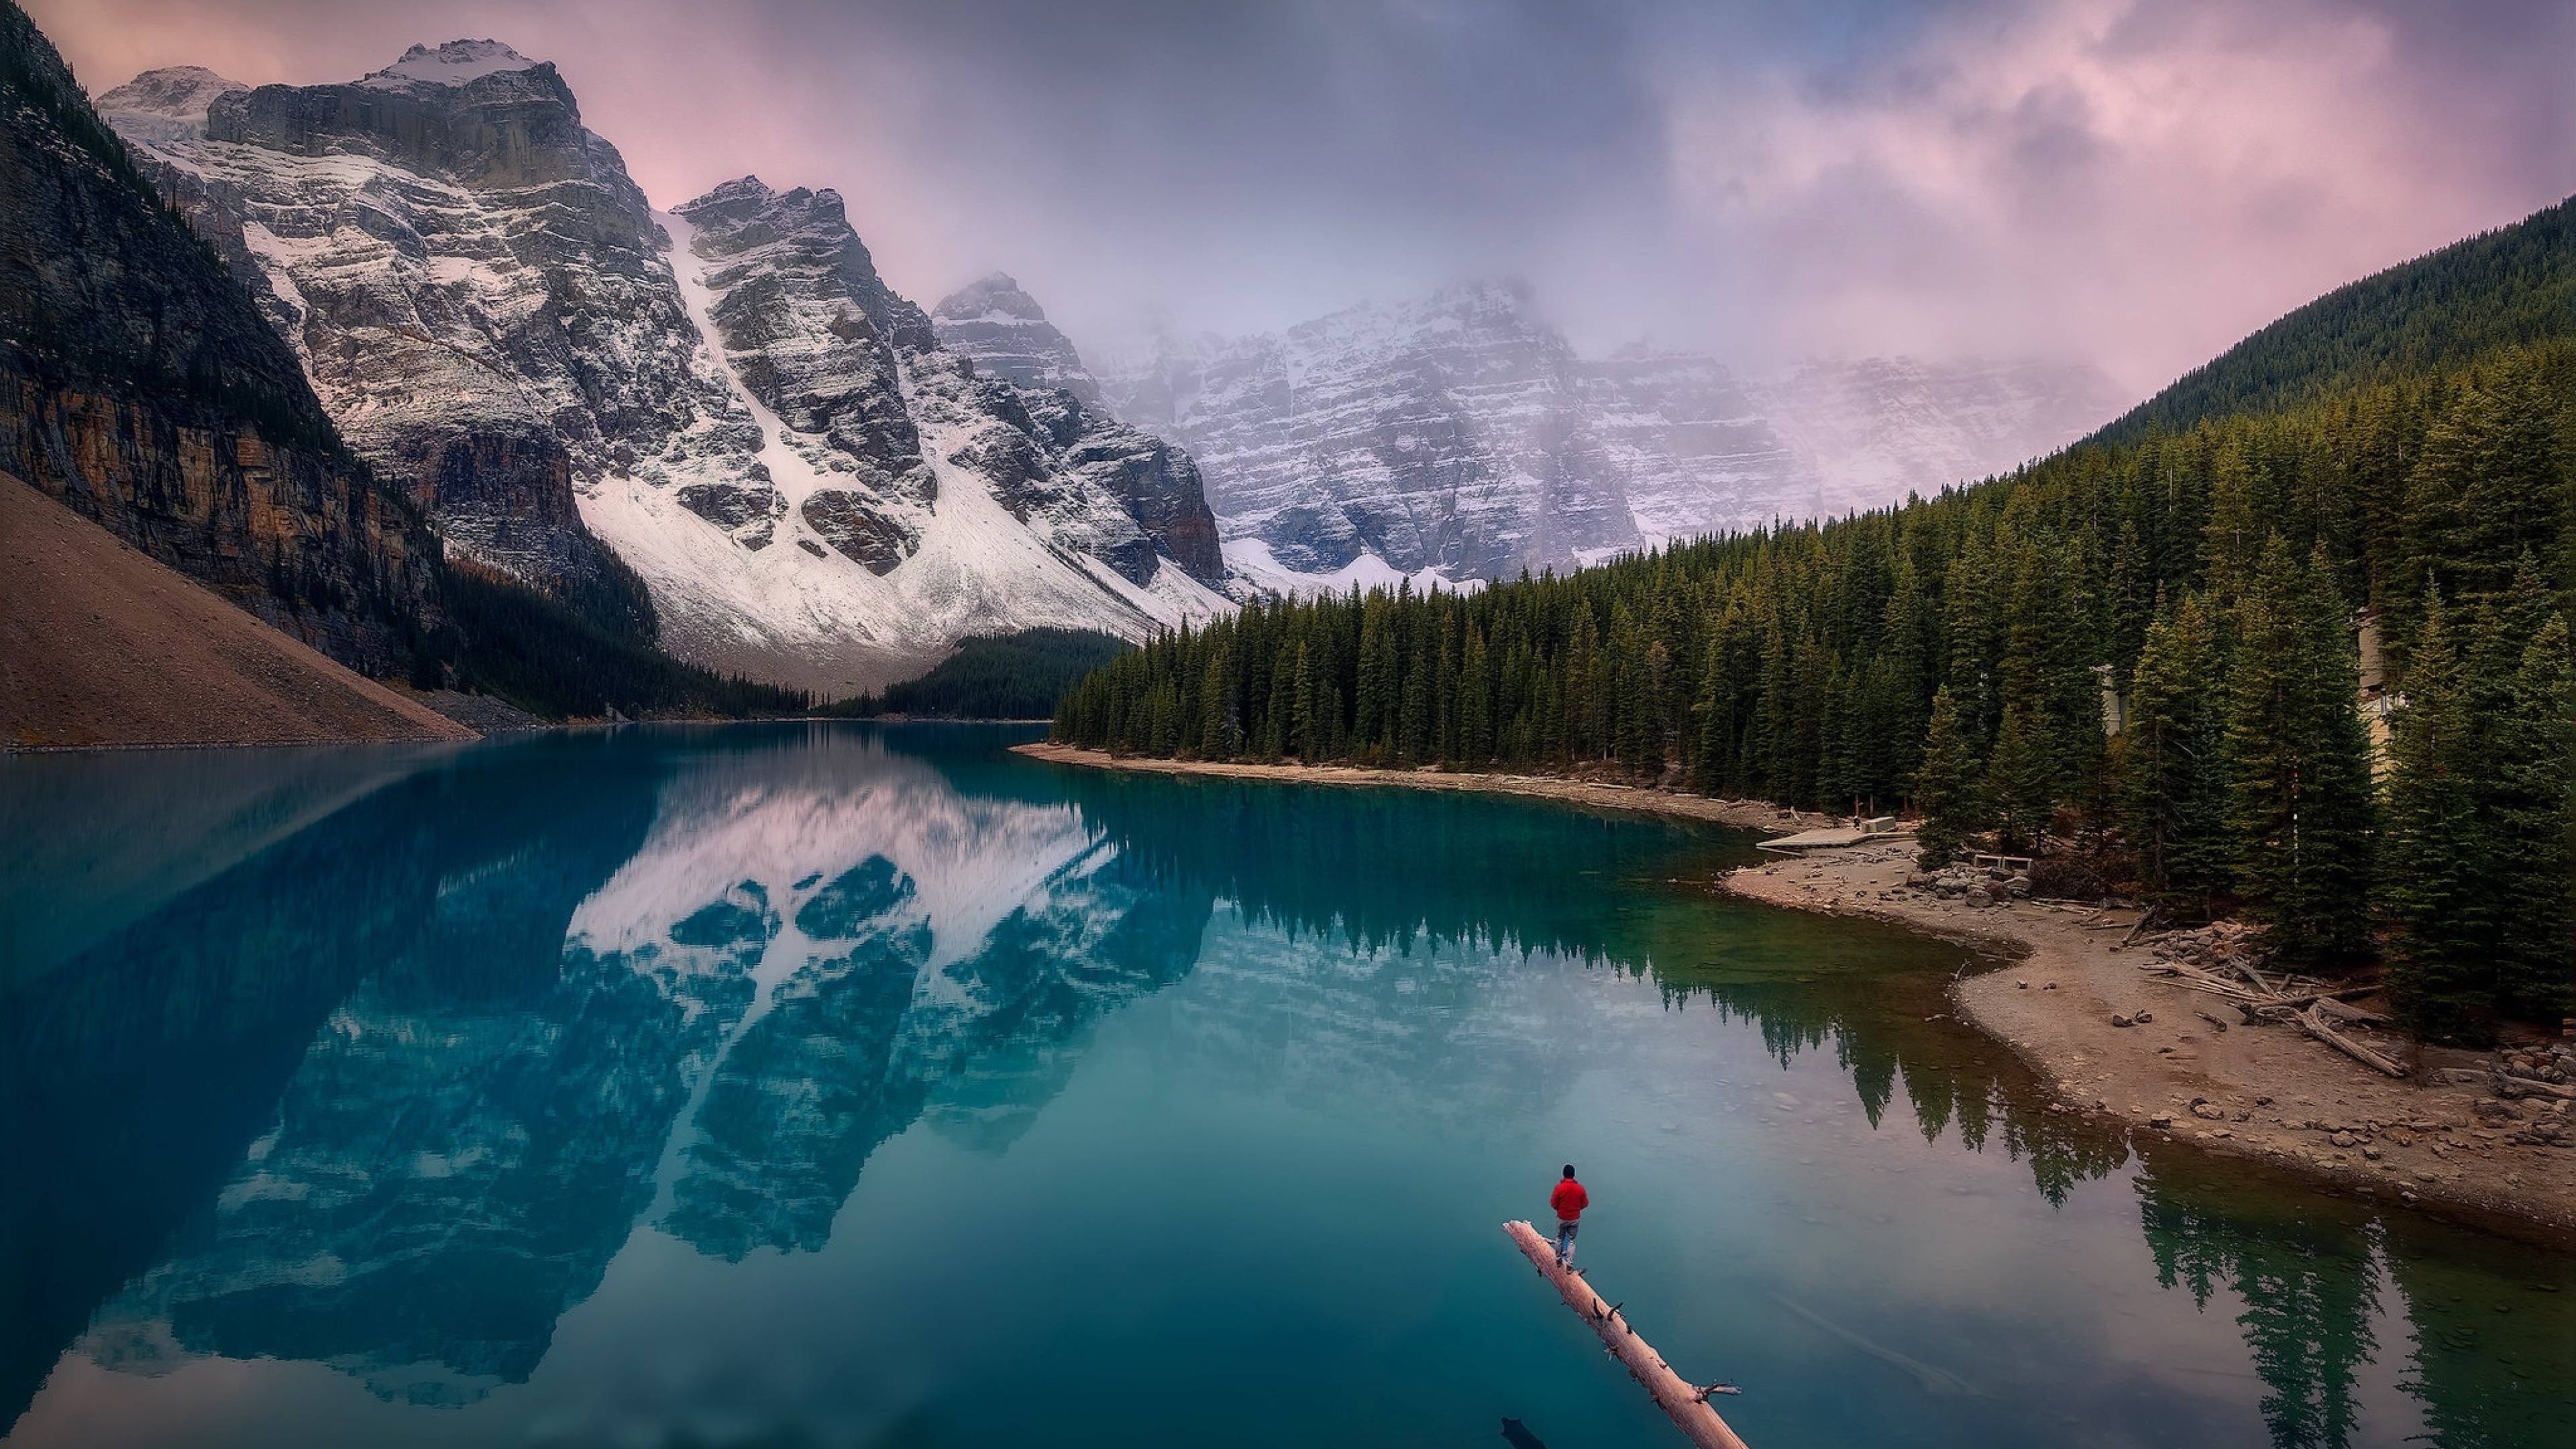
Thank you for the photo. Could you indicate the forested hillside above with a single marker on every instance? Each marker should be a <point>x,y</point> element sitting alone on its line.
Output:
<point>1965,655</point>
<point>2514,286</point>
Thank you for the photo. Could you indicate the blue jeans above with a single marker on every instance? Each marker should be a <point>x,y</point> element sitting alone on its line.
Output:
<point>1565,1242</point>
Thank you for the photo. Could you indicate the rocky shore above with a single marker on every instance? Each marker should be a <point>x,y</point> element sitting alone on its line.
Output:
<point>2110,1037</point>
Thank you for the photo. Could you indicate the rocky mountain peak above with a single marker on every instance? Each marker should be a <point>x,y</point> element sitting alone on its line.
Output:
<point>996,322</point>
<point>165,105</point>
<point>995,293</point>
<point>742,191</point>
<point>454,63</point>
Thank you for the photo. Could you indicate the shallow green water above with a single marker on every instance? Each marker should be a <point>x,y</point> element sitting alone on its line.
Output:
<point>838,1085</point>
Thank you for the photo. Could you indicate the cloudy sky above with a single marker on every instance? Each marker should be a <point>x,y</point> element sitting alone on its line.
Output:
<point>2137,184</point>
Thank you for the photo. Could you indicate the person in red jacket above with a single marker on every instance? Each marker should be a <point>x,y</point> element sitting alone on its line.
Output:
<point>1569,1200</point>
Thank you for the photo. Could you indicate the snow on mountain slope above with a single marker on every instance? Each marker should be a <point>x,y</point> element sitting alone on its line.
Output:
<point>811,489</point>
<point>474,287</point>
<point>451,64</point>
<point>1003,330</point>
<point>910,508</point>
<point>1443,434</point>
<point>162,106</point>
<point>1461,434</point>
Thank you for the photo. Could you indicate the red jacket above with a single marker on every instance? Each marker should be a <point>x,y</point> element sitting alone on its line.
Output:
<point>1569,1200</point>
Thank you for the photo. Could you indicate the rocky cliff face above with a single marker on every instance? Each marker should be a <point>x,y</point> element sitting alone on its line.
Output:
<point>1001,326</point>
<point>1461,434</point>
<point>140,386</point>
<point>728,396</point>
<point>470,279</point>
<point>1006,333</point>
<point>923,498</point>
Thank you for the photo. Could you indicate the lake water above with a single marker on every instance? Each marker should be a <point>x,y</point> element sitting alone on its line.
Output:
<point>844,1085</point>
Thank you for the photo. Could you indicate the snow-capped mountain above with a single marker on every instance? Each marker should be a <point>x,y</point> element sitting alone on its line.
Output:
<point>728,396</point>
<point>1461,434</point>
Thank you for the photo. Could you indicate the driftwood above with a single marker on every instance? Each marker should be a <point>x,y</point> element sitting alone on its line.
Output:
<point>2199,980</point>
<point>2310,998</point>
<point>2307,1017</point>
<point>2527,1087</point>
<point>2144,917</point>
<point>2308,1008</point>
<point>2340,1014</point>
<point>1684,1402</point>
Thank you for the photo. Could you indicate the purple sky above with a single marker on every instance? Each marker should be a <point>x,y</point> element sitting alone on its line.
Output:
<point>2135,184</point>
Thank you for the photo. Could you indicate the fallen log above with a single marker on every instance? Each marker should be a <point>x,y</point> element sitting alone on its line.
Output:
<point>2342,1015</point>
<point>2307,1017</point>
<point>1685,1403</point>
<point>2525,1086</point>
<point>2310,998</point>
<point>2131,939</point>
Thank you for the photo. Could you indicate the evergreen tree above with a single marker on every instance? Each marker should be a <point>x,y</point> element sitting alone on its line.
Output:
<point>2173,790</point>
<point>1946,788</point>
<point>1475,704</point>
<point>2298,762</point>
<point>2533,813</point>
<point>2437,895</point>
<point>2021,779</point>
<point>1416,744</point>
<point>1220,724</point>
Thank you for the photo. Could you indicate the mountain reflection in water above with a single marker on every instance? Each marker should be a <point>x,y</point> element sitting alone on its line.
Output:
<point>392,1093</point>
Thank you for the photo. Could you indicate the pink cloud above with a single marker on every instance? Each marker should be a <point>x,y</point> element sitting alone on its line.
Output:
<point>2140,184</point>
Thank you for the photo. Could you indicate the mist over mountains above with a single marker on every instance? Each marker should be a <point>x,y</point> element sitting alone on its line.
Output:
<point>718,427</point>
<point>1462,435</point>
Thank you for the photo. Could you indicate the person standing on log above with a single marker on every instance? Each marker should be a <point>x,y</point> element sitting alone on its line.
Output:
<point>1569,1200</point>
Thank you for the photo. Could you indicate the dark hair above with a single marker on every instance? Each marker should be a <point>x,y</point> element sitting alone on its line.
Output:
<point>1569,1169</point>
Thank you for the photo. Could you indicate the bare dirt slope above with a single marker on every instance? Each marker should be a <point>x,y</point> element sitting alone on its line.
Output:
<point>101,645</point>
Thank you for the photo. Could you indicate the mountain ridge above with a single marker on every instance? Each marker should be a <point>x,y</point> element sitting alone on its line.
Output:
<point>1459,434</point>
<point>619,417</point>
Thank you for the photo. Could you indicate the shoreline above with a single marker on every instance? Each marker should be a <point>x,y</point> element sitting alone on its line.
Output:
<point>1741,814</point>
<point>2266,1093</point>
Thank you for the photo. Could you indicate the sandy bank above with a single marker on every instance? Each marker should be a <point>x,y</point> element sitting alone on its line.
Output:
<point>2265,1091</point>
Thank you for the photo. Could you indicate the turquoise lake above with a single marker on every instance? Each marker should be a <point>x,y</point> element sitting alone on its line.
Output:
<point>853,1085</point>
